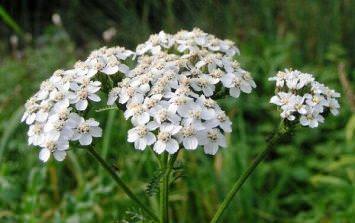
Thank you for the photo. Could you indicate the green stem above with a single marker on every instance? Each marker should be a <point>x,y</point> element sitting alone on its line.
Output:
<point>167,165</point>
<point>164,190</point>
<point>241,180</point>
<point>119,181</point>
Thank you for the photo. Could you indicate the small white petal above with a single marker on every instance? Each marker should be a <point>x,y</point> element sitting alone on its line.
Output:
<point>123,68</point>
<point>211,148</point>
<point>59,155</point>
<point>227,80</point>
<point>208,114</point>
<point>150,138</point>
<point>226,126</point>
<point>111,99</point>
<point>140,144</point>
<point>132,135</point>
<point>92,122</point>
<point>44,154</point>
<point>96,131</point>
<point>144,88</point>
<point>94,97</point>
<point>141,119</point>
<point>245,87</point>
<point>41,116</point>
<point>152,125</point>
<point>313,124</point>
<point>110,70</point>
<point>81,105</point>
<point>30,119</point>
<point>172,146</point>
<point>304,121</point>
<point>208,91</point>
<point>275,100</point>
<point>85,140</point>
<point>159,147</point>
<point>222,141</point>
<point>190,143</point>
<point>234,92</point>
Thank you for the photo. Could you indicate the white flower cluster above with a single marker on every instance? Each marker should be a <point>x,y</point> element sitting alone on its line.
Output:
<point>169,94</point>
<point>302,98</point>
<point>54,113</point>
<point>185,41</point>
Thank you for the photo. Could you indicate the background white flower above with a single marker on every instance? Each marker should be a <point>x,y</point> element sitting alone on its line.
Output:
<point>303,99</point>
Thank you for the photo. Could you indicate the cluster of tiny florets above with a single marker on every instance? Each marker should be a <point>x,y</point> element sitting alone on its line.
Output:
<point>186,41</point>
<point>302,98</point>
<point>55,113</point>
<point>170,94</point>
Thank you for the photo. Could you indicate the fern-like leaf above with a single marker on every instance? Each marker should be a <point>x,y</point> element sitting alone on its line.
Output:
<point>153,185</point>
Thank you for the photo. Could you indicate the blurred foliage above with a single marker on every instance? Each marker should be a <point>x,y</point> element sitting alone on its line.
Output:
<point>308,179</point>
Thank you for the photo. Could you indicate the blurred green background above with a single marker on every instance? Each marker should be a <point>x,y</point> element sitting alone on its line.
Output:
<point>310,178</point>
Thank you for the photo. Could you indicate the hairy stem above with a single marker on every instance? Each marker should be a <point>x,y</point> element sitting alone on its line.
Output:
<point>120,183</point>
<point>273,141</point>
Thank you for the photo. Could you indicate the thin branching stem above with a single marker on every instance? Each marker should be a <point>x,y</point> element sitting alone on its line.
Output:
<point>120,183</point>
<point>108,83</point>
<point>273,141</point>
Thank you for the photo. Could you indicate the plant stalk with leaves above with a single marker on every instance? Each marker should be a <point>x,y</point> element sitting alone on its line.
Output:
<point>275,138</point>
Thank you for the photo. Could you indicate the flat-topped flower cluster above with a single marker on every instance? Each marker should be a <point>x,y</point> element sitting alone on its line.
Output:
<point>168,94</point>
<point>303,99</point>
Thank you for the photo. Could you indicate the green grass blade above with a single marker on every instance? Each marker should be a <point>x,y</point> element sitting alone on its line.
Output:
<point>8,20</point>
<point>107,133</point>
<point>76,169</point>
<point>10,128</point>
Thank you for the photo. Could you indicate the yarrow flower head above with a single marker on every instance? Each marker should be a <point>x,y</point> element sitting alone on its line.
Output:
<point>303,99</point>
<point>170,94</point>
<point>55,113</point>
